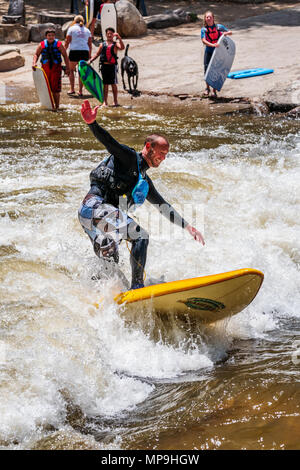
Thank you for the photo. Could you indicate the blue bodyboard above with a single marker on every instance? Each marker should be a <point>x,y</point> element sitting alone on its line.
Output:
<point>249,73</point>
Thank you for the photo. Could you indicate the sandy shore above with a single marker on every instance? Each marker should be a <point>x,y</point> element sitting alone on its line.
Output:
<point>171,60</point>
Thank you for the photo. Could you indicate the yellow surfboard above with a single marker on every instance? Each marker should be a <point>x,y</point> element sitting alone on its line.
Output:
<point>209,298</point>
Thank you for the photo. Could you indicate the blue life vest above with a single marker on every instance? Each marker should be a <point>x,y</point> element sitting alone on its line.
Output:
<point>141,189</point>
<point>50,52</point>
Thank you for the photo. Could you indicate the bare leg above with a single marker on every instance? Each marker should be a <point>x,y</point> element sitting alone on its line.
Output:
<point>207,91</point>
<point>56,97</point>
<point>80,85</point>
<point>115,94</point>
<point>72,76</point>
<point>105,95</point>
<point>92,27</point>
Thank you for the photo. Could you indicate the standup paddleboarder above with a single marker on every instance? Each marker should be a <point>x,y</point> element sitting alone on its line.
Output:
<point>123,174</point>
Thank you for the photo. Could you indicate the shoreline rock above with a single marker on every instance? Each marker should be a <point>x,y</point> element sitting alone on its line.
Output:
<point>11,60</point>
<point>55,17</point>
<point>169,19</point>
<point>37,31</point>
<point>130,21</point>
<point>13,34</point>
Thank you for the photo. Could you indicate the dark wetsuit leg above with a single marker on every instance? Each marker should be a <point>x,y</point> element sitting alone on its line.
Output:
<point>207,57</point>
<point>138,255</point>
<point>138,258</point>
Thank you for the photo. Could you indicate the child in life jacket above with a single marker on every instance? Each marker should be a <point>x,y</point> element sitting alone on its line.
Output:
<point>108,65</point>
<point>51,50</point>
<point>210,33</point>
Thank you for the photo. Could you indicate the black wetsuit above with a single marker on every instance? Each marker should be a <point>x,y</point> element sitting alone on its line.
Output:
<point>123,163</point>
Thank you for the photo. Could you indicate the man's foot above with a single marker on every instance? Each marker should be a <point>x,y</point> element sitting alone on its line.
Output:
<point>215,94</point>
<point>205,94</point>
<point>116,105</point>
<point>136,286</point>
<point>71,93</point>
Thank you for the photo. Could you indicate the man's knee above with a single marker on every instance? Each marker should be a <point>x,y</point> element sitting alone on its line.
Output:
<point>136,232</point>
<point>107,249</point>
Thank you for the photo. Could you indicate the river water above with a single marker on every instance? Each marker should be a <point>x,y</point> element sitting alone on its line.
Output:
<point>74,376</point>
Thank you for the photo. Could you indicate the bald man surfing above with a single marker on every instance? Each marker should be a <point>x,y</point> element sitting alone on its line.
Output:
<point>123,175</point>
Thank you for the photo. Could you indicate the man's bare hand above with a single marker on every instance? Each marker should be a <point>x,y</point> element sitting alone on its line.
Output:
<point>88,114</point>
<point>195,234</point>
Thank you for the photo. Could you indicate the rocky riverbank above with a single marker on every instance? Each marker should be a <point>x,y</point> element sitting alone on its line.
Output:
<point>171,60</point>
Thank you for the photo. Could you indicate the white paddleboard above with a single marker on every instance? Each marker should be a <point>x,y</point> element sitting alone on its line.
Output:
<point>108,18</point>
<point>43,88</point>
<point>220,63</point>
<point>89,12</point>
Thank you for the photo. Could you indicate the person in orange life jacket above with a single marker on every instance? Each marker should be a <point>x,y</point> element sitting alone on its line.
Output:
<point>108,62</point>
<point>51,51</point>
<point>79,40</point>
<point>210,34</point>
<point>124,173</point>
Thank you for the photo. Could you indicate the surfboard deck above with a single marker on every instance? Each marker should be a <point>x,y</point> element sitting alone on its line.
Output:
<point>208,298</point>
<point>89,12</point>
<point>249,73</point>
<point>220,63</point>
<point>108,18</point>
<point>43,88</point>
<point>91,80</point>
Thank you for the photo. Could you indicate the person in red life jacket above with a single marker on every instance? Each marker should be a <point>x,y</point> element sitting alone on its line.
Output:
<point>51,50</point>
<point>210,34</point>
<point>108,62</point>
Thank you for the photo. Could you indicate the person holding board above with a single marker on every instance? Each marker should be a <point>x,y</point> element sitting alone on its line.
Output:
<point>122,176</point>
<point>51,51</point>
<point>108,67</point>
<point>210,34</point>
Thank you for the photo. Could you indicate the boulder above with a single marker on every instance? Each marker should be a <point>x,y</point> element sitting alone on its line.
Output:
<point>11,60</point>
<point>37,31</point>
<point>55,17</point>
<point>130,21</point>
<point>7,49</point>
<point>172,18</point>
<point>16,13</point>
<point>13,34</point>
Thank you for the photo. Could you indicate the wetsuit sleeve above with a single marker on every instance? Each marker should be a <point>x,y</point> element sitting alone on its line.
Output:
<point>163,206</point>
<point>121,152</point>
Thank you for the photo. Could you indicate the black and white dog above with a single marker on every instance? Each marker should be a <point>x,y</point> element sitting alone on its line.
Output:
<point>130,66</point>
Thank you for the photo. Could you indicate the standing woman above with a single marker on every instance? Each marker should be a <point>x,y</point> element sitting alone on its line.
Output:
<point>210,34</point>
<point>80,41</point>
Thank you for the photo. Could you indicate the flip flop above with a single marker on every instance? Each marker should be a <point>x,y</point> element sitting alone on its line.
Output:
<point>71,93</point>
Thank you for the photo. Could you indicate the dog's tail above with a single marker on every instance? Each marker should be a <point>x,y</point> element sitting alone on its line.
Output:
<point>126,50</point>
